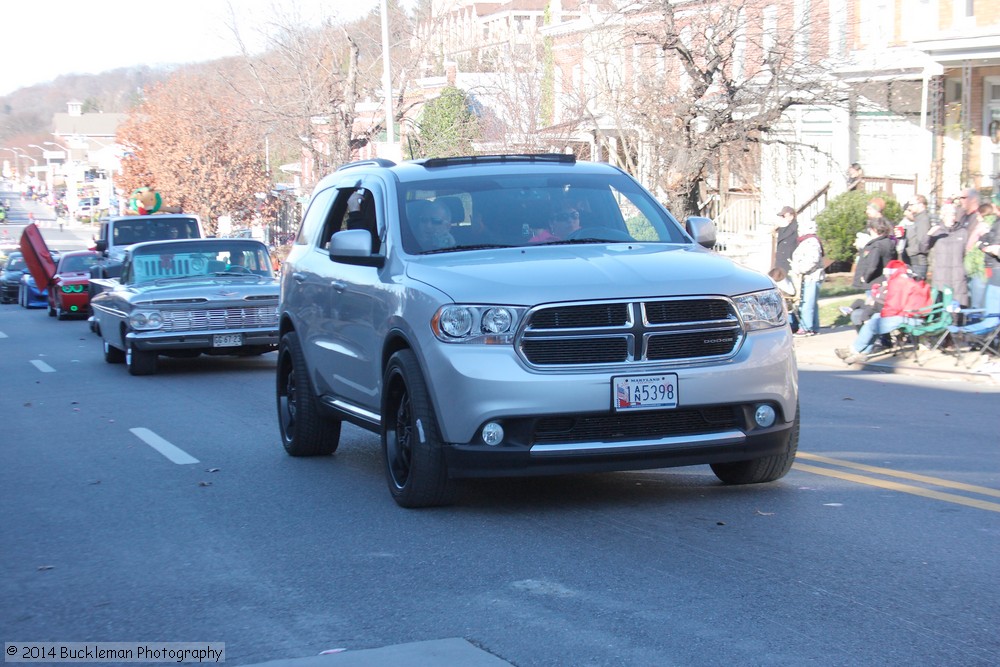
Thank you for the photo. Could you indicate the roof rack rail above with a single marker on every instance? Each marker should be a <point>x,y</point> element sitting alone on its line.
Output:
<point>561,158</point>
<point>377,162</point>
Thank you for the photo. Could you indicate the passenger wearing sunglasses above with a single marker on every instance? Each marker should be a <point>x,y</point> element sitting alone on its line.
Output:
<point>565,221</point>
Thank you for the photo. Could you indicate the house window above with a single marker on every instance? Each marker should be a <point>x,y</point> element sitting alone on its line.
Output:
<point>963,13</point>
<point>838,28</point>
<point>770,29</point>
<point>740,45</point>
<point>920,20</point>
<point>801,30</point>
<point>952,91</point>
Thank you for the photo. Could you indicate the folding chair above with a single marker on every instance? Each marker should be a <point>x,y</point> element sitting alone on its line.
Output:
<point>927,327</point>
<point>981,334</point>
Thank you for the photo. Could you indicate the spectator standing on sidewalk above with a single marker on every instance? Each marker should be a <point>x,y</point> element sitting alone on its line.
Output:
<point>968,208</point>
<point>786,238</point>
<point>975,265</point>
<point>855,177</point>
<point>946,244</point>
<point>807,262</point>
<point>989,243</point>
<point>916,232</point>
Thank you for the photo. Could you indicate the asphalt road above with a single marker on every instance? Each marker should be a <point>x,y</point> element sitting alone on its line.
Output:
<point>882,546</point>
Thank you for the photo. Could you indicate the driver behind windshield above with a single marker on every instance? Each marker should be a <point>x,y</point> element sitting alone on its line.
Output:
<point>432,224</point>
<point>237,261</point>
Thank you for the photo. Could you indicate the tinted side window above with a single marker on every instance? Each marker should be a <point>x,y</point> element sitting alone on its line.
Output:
<point>312,221</point>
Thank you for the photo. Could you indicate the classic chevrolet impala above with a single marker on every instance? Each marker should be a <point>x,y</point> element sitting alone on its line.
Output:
<point>188,297</point>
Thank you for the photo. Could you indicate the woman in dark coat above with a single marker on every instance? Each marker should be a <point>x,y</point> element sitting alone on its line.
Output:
<point>786,239</point>
<point>946,243</point>
<point>875,254</point>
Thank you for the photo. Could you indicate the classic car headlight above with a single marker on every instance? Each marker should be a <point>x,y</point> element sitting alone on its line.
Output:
<point>490,325</point>
<point>145,319</point>
<point>761,310</point>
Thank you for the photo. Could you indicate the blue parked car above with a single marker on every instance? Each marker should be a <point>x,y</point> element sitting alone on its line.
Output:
<point>29,296</point>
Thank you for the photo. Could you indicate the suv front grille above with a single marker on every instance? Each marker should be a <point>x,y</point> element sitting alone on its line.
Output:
<point>682,329</point>
<point>204,319</point>
<point>635,426</point>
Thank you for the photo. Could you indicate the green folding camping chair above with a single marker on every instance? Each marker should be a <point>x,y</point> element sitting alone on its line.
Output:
<point>927,327</point>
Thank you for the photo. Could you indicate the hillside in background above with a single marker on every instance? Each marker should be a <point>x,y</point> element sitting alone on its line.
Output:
<point>26,114</point>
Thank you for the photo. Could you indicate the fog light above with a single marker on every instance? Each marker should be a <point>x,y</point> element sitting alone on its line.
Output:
<point>492,433</point>
<point>764,416</point>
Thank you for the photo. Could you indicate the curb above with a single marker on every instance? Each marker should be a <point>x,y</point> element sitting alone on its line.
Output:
<point>934,364</point>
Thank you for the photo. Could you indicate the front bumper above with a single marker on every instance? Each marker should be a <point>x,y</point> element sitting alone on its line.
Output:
<point>560,420</point>
<point>9,291</point>
<point>78,300</point>
<point>159,342</point>
<point>691,448</point>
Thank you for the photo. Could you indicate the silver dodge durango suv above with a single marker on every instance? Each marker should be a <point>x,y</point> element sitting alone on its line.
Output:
<point>524,315</point>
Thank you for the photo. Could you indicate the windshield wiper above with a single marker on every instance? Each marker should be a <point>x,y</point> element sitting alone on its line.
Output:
<point>480,246</point>
<point>165,279</point>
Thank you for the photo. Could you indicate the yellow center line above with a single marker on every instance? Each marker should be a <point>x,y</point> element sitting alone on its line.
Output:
<point>889,472</point>
<point>902,488</point>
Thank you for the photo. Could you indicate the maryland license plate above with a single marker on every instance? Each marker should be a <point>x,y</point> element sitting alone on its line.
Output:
<point>227,340</point>
<point>644,392</point>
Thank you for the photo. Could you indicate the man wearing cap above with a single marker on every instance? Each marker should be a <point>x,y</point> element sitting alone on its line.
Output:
<point>786,237</point>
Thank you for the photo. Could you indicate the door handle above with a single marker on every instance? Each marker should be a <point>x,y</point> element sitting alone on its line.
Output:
<point>299,277</point>
<point>338,285</point>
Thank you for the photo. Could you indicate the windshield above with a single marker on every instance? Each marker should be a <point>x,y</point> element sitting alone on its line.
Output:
<point>77,263</point>
<point>186,260</point>
<point>150,228</point>
<point>15,263</point>
<point>530,209</point>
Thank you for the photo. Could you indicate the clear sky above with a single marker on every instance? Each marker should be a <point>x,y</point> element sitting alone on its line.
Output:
<point>41,40</point>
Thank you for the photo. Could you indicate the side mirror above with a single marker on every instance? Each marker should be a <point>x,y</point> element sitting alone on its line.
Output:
<point>354,246</point>
<point>101,245</point>
<point>702,230</point>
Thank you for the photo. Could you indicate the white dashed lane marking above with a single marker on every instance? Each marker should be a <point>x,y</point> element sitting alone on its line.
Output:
<point>171,451</point>
<point>42,366</point>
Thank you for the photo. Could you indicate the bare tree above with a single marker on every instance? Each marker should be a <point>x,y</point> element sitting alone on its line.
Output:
<point>310,83</point>
<point>190,140</point>
<point>687,90</point>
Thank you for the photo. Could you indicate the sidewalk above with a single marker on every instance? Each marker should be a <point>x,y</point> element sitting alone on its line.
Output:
<point>819,349</point>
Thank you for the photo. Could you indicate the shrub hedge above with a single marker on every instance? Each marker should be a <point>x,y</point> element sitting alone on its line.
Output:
<point>844,216</point>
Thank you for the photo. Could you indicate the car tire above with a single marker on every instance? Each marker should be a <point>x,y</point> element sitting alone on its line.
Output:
<point>764,469</point>
<point>412,448</point>
<point>140,362</point>
<point>304,430</point>
<point>112,354</point>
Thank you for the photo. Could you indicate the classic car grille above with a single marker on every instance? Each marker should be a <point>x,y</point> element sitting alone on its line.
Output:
<point>635,426</point>
<point>220,318</point>
<point>631,332</point>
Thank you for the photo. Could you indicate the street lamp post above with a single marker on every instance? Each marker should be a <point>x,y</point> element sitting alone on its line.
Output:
<point>49,185</point>
<point>17,159</point>
<point>70,175</point>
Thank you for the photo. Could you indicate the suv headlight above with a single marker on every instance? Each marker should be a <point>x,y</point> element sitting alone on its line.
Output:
<point>487,325</point>
<point>762,310</point>
<point>142,320</point>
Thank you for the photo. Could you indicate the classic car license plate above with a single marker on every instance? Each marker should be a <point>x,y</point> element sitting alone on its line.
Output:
<point>644,392</point>
<point>227,340</point>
